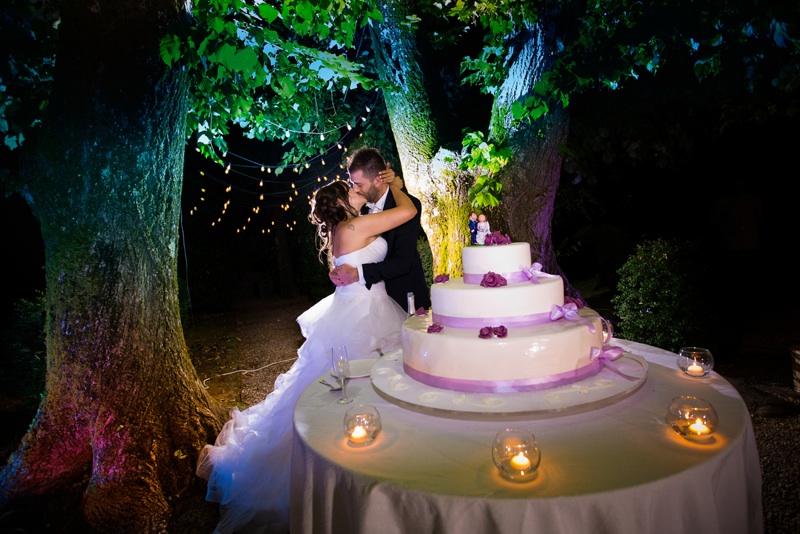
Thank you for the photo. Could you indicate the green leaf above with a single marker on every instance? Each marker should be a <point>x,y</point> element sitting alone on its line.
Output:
<point>170,47</point>
<point>268,12</point>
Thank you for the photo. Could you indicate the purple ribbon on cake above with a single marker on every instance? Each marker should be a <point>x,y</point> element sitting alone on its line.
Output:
<point>503,386</point>
<point>480,322</point>
<point>606,356</point>
<point>569,312</point>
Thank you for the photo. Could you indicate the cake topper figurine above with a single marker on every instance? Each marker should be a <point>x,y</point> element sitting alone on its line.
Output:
<point>473,228</point>
<point>483,229</point>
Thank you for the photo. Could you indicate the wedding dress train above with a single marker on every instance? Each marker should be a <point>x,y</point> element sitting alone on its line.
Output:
<point>248,466</point>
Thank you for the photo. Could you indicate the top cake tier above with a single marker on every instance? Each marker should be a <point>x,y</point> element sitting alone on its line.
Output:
<point>526,300</point>
<point>506,260</point>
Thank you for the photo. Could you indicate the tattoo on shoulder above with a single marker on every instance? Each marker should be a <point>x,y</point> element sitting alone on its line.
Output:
<point>351,227</point>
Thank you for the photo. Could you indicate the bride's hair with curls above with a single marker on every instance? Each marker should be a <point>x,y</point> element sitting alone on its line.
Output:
<point>330,205</point>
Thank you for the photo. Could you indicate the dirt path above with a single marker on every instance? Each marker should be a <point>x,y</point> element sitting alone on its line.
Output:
<point>239,354</point>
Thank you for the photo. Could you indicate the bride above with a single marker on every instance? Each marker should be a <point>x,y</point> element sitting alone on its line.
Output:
<point>248,467</point>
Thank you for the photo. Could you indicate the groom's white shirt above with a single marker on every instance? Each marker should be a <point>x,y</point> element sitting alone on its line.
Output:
<point>373,208</point>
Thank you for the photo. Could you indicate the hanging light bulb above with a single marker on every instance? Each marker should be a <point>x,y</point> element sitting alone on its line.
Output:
<point>349,127</point>
<point>323,162</point>
<point>262,168</point>
<point>261,183</point>
<point>321,137</point>
<point>368,110</point>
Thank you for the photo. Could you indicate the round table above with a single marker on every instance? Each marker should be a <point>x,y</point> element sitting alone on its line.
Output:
<point>615,467</point>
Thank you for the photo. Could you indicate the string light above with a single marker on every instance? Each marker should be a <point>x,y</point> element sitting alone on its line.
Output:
<point>240,169</point>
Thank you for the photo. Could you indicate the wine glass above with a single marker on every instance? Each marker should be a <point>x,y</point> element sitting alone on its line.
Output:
<point>341,366</point>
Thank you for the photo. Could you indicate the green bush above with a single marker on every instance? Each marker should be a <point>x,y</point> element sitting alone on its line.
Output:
<point>661,297</point>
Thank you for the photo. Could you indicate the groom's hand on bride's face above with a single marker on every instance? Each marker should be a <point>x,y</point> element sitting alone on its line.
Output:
<point>344,275</point>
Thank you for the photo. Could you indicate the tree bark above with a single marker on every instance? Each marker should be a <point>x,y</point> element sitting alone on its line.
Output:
<point>441,187</point>
<point>530,180</point>
<point>124,413</point>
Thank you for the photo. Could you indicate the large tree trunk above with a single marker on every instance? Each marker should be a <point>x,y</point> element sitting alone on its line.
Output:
<point>530,180</point>
<point>124,414</point>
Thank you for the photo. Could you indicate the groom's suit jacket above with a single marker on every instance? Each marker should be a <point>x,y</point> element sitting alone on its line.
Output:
<point>402,267</point>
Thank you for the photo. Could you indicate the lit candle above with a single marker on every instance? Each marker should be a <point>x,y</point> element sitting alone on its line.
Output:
<point>520,462</point>
<point>358,435</point>
<point>699,428</point>
<point>695,370</point>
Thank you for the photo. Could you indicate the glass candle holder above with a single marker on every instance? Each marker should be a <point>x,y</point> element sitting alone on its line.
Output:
<point>692,417</point>
<point>361,424</point>
<point>695,361</point>
<point>516,454</point>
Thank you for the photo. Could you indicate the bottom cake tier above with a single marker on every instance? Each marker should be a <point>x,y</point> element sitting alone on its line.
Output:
<point>623,377</point>
<point>527,358</point>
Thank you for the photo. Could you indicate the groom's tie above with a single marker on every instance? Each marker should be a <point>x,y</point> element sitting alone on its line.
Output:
<point>373,208</point>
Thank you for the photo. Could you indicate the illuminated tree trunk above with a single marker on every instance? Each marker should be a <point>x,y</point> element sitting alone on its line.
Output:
<point>530,181</point>
<point>124,413</point>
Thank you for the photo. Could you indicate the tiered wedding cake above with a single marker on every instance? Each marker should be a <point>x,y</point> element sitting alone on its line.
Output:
<point>503,327</point>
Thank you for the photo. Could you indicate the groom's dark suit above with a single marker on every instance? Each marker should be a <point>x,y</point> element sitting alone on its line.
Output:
<point>402,267</point>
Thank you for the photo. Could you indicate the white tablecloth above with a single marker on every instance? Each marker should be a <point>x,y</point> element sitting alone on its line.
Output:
<point>616,469</point>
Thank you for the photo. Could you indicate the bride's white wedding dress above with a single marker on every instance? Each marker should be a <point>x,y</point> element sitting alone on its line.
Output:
<point>248,467</point>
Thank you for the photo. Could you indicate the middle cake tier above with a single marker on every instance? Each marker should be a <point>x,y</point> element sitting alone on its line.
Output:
<point>461,305</point>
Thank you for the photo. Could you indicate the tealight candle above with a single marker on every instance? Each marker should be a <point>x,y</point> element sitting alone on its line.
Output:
<point>361,424</point>
<point>699,428</point>
<point>695,370</point>
<point>693,418</point>
<point>696,362</point>
<point>516,454</point>
<point>358,435</point>
<point>521,462</point>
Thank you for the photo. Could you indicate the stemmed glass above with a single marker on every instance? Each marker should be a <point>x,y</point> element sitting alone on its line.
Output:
<point>341,366</point>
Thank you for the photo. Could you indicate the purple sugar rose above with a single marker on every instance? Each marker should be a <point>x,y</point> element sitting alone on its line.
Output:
<point>421,311</point>
<point>486,332</point>
<point>441,278</point>
<point>500,331</point>
<point>496,238</point>
<point>435,328</point>
<point>492,279</point>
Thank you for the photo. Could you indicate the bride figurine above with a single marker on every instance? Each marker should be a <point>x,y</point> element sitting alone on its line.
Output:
<point>248,467</point>
<point>483,229</point>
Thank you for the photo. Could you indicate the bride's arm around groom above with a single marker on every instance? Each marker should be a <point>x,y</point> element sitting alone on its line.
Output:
<point>402,268</point>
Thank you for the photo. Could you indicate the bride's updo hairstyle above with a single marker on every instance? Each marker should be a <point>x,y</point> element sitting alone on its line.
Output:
<point>330,206</point>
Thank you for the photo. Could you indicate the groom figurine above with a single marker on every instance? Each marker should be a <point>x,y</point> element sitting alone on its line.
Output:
<point>402,267</point>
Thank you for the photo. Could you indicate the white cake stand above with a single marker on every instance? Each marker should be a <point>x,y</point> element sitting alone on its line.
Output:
<point>392,383</point>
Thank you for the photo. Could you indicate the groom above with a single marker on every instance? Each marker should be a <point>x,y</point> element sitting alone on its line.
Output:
<point>402,267</point>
